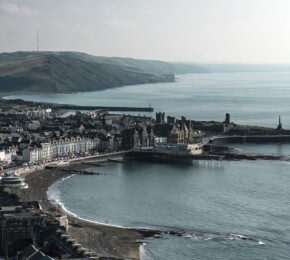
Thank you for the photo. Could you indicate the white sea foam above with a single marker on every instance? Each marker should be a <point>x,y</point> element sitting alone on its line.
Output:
<point>286,162</point>
<point>53,195</point>
<point>220,237</point>
<point>237,237</point>
<point>143,253</point>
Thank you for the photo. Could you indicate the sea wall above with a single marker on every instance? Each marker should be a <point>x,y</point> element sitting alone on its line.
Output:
<point>252,139</point>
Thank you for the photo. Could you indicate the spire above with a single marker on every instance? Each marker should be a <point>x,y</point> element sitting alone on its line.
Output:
<point>279,127</point>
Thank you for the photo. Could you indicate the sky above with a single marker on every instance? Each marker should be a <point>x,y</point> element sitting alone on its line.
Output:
<point>202,31</point>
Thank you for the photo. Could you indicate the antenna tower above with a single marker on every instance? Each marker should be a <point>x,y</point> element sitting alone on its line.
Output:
<point>37,42</point>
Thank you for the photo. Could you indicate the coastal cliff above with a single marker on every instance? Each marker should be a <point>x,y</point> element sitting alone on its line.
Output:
<point>65,72</point>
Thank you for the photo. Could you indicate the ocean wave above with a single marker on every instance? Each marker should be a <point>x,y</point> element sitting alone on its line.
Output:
<point>286,162</point>
<point>221,237</point>
<point>53,195</point>
<point>144,253</point>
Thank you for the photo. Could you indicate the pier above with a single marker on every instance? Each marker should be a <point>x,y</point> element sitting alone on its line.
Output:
<point>160,157</point>
<point>152,156</point>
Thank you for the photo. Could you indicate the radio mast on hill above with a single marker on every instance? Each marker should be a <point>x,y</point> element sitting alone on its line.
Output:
<point>37,42</point>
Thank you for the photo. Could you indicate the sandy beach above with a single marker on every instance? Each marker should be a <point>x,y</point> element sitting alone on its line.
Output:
<point>105,241</point>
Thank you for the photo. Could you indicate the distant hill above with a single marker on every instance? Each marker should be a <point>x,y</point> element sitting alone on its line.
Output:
<point>64,72</point>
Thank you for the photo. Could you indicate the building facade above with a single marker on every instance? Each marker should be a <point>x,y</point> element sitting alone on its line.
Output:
<point>59,148</point>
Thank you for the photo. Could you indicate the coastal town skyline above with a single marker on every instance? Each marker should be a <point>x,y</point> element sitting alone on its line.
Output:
<point>144,130</point>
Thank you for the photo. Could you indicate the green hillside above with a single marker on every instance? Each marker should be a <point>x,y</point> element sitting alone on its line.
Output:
<point>65,72</point>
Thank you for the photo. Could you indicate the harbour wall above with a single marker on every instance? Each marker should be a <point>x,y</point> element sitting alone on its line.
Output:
<point>259,139</point>
<point>108,108</point>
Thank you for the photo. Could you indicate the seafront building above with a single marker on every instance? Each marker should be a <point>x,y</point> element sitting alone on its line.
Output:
<point>11,181</point>
<point>58,148</point>
<point>8,155</point>
<point>178,149</point>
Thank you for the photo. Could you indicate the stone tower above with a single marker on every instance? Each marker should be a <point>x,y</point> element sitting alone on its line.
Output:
<point>228,119</point>
<point>171,120</point>
<point>160,118</point>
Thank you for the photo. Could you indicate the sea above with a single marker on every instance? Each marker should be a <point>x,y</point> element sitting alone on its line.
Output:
<point>226,210</point>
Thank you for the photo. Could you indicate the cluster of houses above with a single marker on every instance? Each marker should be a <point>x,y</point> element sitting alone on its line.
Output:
<point>26,232</point>
<point>37,134</point>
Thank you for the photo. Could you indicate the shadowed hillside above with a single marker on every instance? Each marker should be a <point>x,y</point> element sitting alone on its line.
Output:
<point>65,72</point>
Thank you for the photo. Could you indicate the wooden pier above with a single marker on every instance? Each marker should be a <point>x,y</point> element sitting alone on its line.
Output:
<point>210,158</point>
<point>153,156</point>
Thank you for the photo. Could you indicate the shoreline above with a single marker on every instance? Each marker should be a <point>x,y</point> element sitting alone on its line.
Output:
<point>104,240</point>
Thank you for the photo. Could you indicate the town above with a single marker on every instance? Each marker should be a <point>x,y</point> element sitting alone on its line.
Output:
<point>35,135</point>
<point>38,136</point>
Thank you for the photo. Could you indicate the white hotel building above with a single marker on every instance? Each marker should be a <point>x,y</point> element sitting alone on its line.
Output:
<point>59,148</point>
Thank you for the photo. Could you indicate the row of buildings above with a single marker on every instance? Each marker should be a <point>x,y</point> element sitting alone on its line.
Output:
<point>58,148</point>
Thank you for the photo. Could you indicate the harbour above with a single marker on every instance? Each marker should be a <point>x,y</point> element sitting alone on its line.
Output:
<point>144,130</point>
<point>213,194</point>
<point>219,204</point>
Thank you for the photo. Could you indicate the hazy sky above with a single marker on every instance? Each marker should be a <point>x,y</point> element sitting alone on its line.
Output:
<point>247,31</point>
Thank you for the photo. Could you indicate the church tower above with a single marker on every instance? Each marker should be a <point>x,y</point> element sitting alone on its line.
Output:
<point>279,127</point>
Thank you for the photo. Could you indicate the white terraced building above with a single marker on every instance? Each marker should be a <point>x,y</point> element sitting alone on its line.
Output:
<point>8,155</point>
<point>59,148</point>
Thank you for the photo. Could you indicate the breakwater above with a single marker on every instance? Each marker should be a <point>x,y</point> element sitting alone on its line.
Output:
<point>108,108</point>
<point>238,156</point>
<point>79,107</point>
<point>251,139</point>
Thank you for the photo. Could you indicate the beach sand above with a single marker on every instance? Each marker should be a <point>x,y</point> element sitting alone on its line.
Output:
<point>106,241</point>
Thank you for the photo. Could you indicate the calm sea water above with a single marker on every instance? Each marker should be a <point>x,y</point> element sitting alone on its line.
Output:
<point>237,210</point>
<point>234,210</point>
<point>251,98</point>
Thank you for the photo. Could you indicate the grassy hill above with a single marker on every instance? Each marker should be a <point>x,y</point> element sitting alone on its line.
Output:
<point>65,72</point>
